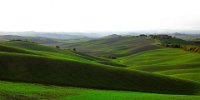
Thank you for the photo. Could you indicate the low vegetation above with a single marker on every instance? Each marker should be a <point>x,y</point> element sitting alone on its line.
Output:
<point>191,48</point>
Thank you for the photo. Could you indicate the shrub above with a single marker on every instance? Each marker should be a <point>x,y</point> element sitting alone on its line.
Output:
<point>74,49</point>
<point>191,48</point>
<point>57,46</point>
<point>172,45</point>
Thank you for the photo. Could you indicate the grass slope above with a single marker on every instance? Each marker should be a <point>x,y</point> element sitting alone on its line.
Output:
<point>168,61</point>
<point>56,53</point>
<point>30,46</point>
<point>26,91</point>
<point>41,50</point>
<point>29,68</point>
<point>4,48</point>
<point>114,46</point>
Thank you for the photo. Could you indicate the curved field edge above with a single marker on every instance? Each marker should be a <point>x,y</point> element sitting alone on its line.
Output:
<point>24,91</point>
<point>28,68</point>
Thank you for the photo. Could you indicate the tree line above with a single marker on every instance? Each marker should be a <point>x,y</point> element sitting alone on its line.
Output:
<point>192,48</point>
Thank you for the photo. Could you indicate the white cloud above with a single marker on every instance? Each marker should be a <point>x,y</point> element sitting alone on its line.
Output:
<point>98,15</point>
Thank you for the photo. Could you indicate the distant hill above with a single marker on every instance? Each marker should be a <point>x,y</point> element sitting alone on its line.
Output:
<point>41,40</point>
<point>57,36</point>
<point>54,35</point>
<point>114,45</point>
<point>45,39</point>
<point>178,41</point>
<point>187,37</point>
<point>112,36</point>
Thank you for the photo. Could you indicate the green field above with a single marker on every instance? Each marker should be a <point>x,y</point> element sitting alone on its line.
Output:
<point>24,91</point>
<point>142,70</point>
<point>167,61</point>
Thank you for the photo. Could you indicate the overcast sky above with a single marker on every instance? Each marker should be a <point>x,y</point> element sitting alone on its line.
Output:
<point>99,15</point>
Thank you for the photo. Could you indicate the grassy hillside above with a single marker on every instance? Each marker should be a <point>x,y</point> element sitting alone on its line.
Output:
<point>41,50</point>
<point>31,46</point>
<point>5,48</point>
<point>114,45</point>
<point>168,61</point>
<point>25,91</point>
<point>187,37</point>
<point>27,68</point>
<point>56,53</point>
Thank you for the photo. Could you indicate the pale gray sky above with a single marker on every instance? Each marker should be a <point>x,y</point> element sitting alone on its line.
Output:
<point>99,15</point>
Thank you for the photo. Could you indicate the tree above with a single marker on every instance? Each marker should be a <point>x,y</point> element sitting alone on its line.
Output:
<point>57,46</point>
<point>74,49</point>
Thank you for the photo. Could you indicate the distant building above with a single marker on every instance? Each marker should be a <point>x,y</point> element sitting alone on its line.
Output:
<point>143,35</point>
<point>160,36</point>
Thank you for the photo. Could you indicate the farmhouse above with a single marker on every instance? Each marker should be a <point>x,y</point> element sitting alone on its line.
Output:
<point>160,36</point>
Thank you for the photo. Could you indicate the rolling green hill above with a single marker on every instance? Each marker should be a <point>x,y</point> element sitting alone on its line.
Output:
<point>41,50</point>
<point>114,45</point>
<point>4,48</point>
<point>56,53</point>
<point>48,68</point>
<point>27,68</point>
<point>167,61</point>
